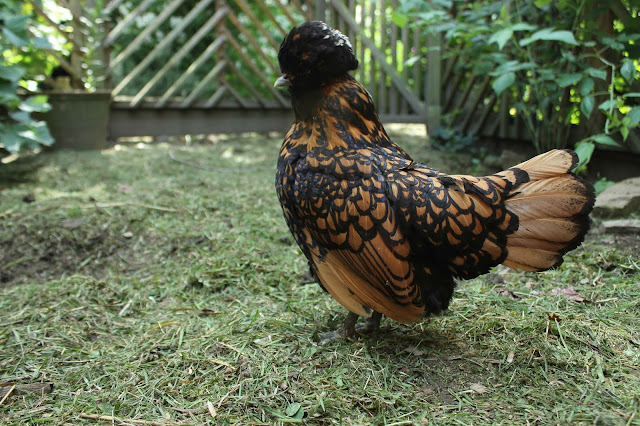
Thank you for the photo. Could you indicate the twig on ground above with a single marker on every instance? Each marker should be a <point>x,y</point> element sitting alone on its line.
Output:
<point>113,419</point>
<point>133,204</point>
<point>6,395</point>
<point>42,388</point>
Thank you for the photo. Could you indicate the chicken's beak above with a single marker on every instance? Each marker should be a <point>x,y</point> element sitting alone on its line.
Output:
<point>282,81</point>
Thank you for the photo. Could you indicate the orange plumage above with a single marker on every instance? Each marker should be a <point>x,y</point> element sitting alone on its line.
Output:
<point>386,234</point>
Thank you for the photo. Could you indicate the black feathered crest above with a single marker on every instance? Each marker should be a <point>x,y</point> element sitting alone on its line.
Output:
<point>313,53</point>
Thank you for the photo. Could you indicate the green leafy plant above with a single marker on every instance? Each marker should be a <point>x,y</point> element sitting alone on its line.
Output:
<point>565,68</point>
<point>19,131</point>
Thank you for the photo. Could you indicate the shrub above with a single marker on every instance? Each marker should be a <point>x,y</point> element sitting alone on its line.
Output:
<point>567,68</point>
<point>19,131</point>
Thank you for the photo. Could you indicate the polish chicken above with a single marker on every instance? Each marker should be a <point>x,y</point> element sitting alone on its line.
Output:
<point>387,235</point>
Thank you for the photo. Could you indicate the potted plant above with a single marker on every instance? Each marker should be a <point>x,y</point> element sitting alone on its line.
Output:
<point>60,62</point>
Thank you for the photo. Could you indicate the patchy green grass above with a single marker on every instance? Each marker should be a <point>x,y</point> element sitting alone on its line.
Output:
<point>148,290</point>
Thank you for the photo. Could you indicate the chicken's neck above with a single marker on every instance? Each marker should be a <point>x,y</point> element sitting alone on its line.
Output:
<point>341,114</point>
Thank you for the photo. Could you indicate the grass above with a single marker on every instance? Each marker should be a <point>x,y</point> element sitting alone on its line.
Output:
<point>148,291</point>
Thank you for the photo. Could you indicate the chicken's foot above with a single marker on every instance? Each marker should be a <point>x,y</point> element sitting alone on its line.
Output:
<point>372,324</point>
<point>349,329</point>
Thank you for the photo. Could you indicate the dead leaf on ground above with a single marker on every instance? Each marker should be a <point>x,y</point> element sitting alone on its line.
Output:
<point>478,388</point>
<point>414,351</point>
<point>507,293</point>
<point>124,188</point>
<point>72,222</point>
<point>570,294</point>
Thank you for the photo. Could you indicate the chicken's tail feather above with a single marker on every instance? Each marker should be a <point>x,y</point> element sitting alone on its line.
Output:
<point>552,207</point>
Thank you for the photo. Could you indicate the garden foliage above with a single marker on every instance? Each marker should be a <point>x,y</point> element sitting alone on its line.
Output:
<point>569,68</point>
<point>19,130</point>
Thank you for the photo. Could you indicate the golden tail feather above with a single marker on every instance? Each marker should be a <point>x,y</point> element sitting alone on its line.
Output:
<point>553,211</point>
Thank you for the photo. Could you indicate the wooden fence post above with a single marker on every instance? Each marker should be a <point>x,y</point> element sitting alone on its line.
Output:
<point>320,10</point>
<point>433,86</point>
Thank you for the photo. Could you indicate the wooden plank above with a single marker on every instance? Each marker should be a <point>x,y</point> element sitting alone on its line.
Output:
<point>140,38</point>
<point>246,83</point>
<point>129,19</point>
<point>216,97</point>
<point>393,92</point>
<point>273,19</point>
<point>471,109</point>
<point>167,122</point>
<point>247,10</point>
<point>204,83</point>
<point>320,10</point>
<point>164,43</point>
<point>270,61</point>
<point>204,56</point>
<point>383,107</point>
<point>406,92</point>
<point>268,84</point>
<point>418,76</point>
<point>433,84</point>
<point>111,6</point>
<point>372,63</point>
<point>284,9</point>
<point>239,99</point>
<point>479,127</point>
<point>462,99</point>
<point>362,50</point>
<point>405,55</point>
<point>305,11</point>
<point>175,59</point>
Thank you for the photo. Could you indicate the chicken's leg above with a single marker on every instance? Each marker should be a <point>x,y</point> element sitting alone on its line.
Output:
<point>372,324</point>
<point>348,327</point>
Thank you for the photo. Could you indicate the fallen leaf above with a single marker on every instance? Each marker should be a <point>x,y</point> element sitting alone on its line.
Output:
<point>570,294</point>
<point>414,351</point>
<point>554,317</point>
<point>72,222</point>
<point>212,409</point>
<point>507,293</point>
<point>125,188</point>
<point>479,388</point>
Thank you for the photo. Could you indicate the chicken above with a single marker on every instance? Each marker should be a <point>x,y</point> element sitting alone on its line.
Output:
<point>386,235</point>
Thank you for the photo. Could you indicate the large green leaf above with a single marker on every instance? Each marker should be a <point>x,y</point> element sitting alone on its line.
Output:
<point>634,115</point>
<point>608,105</point>
<point>565,80</point>
<point>550,34</point>
<point>586,105</point>
<point>38,132</point>
<point>10,139</point>
<point>603,139</point>
<point>15,30</point>
<point>501,37</point>
<point>12,73</point>
<point>584,149</point>
<point>628,71</point>
<point>586,86</point>
<point>501,83</point>
<point>35,104</point>
<point>596,73</point>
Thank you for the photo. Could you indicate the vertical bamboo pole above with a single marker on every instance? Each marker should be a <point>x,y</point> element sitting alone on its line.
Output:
<point>76,54</point>
<point>433,84</point>
<point>220,55</point>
